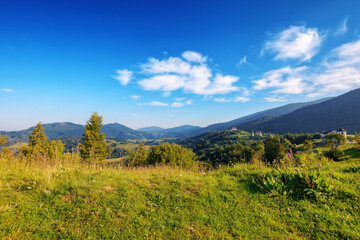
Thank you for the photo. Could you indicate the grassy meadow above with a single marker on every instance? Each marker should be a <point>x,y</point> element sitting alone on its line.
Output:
<point>66,199</point>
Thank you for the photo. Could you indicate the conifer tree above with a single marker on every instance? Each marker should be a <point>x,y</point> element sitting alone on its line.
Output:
<point>37,141</point>
<point>93,149</point>
<point>37,136</point>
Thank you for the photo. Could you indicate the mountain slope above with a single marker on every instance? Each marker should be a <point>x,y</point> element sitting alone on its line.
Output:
<point>342,111</point>
<point>270,112</point>
<point>170,132</point>
<point>152,129</point>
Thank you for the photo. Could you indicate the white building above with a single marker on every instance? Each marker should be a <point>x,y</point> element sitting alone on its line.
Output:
<point>339,131</point>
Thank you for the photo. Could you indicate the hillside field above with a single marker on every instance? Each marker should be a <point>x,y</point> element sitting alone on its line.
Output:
<point>70,200</point>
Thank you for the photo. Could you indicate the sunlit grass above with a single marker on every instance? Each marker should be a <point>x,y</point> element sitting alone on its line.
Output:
<point>71,200</point>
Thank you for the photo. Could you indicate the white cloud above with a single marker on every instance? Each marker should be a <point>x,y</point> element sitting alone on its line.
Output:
<point>134,97</point>
<point>174,73</point>
<point>158,104</point>
<point>177,104</point>
<point>6,90</point>
<point>296,42</point>
<point>124,76</point>
<point>234,99</point>
<point>181,104</point>
<point>339,72</point>
<point>241,99</point>
<point>274,99</point>
<point>179,99</point>
<point>342,29</point>
<point>285,80</point>
<point>164,82</point>
<point>193,57</point>
<point>172,64</point>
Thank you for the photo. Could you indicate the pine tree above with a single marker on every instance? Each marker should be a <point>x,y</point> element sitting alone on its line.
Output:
<point>93,148</point>
<point>37,141</point>
<point>37,136</point>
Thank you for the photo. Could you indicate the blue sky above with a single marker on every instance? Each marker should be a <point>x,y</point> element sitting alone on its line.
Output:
<point>169,63</point>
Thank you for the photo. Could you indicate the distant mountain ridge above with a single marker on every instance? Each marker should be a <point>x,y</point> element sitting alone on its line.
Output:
<point>152,129</point>
<point>327,113</point>
<point>68,129</point>
<point>342,111</point>
<point>170,132</point>
<point>278,111</point>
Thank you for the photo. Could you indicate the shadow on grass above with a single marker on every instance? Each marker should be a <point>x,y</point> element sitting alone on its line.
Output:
<point>351,153</point>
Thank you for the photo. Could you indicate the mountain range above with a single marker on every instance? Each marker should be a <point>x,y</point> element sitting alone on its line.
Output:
<point>305,117</point>
<point>342,111</point>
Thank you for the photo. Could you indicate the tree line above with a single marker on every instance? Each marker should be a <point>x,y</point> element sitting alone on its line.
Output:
<point>216,148</point>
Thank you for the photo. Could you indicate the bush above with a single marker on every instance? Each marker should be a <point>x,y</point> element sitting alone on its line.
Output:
<point>334,154</point>
<point>173,155</point>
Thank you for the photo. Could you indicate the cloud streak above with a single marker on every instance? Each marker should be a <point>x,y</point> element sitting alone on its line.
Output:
<point>342,29</point>
<point>6,90</point>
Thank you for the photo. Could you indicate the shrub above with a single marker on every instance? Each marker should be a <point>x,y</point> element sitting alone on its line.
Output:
<point>137,157</point>
<point>294,183</point>
<point>172,154</point>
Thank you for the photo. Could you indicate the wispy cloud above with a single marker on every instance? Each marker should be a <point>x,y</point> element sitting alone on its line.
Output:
<point>177,104</point>
<point>296,42</point>
<point>134,97</point>
<point>243,61</point>
<point>6,90</point>
<point>339,71</point>
<point>342,28</point>
<point>124,76</point>
<point>191,74</point>
<point>234,99</point>
<point>158,104</point>
<point>241,99</point>
<point>274,99</point>
<point>285,80</point>
<point>181,104</point>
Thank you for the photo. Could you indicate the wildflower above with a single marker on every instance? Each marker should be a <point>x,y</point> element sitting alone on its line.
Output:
<point>47,192</point>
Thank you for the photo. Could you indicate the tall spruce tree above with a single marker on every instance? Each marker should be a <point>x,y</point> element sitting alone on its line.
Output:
<point>37,136</point>
<point>93,149</point>
<point>37,143</point>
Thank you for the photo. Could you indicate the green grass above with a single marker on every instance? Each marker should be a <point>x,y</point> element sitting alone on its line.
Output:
<point>70,200</point>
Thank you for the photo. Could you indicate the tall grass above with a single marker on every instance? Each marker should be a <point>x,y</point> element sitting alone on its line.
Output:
<point>62,198</point>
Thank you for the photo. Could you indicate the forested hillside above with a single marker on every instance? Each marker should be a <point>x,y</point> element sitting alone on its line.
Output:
<point>342,111</point>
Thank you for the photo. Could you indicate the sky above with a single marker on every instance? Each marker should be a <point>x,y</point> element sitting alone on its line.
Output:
<point>170,63</point>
